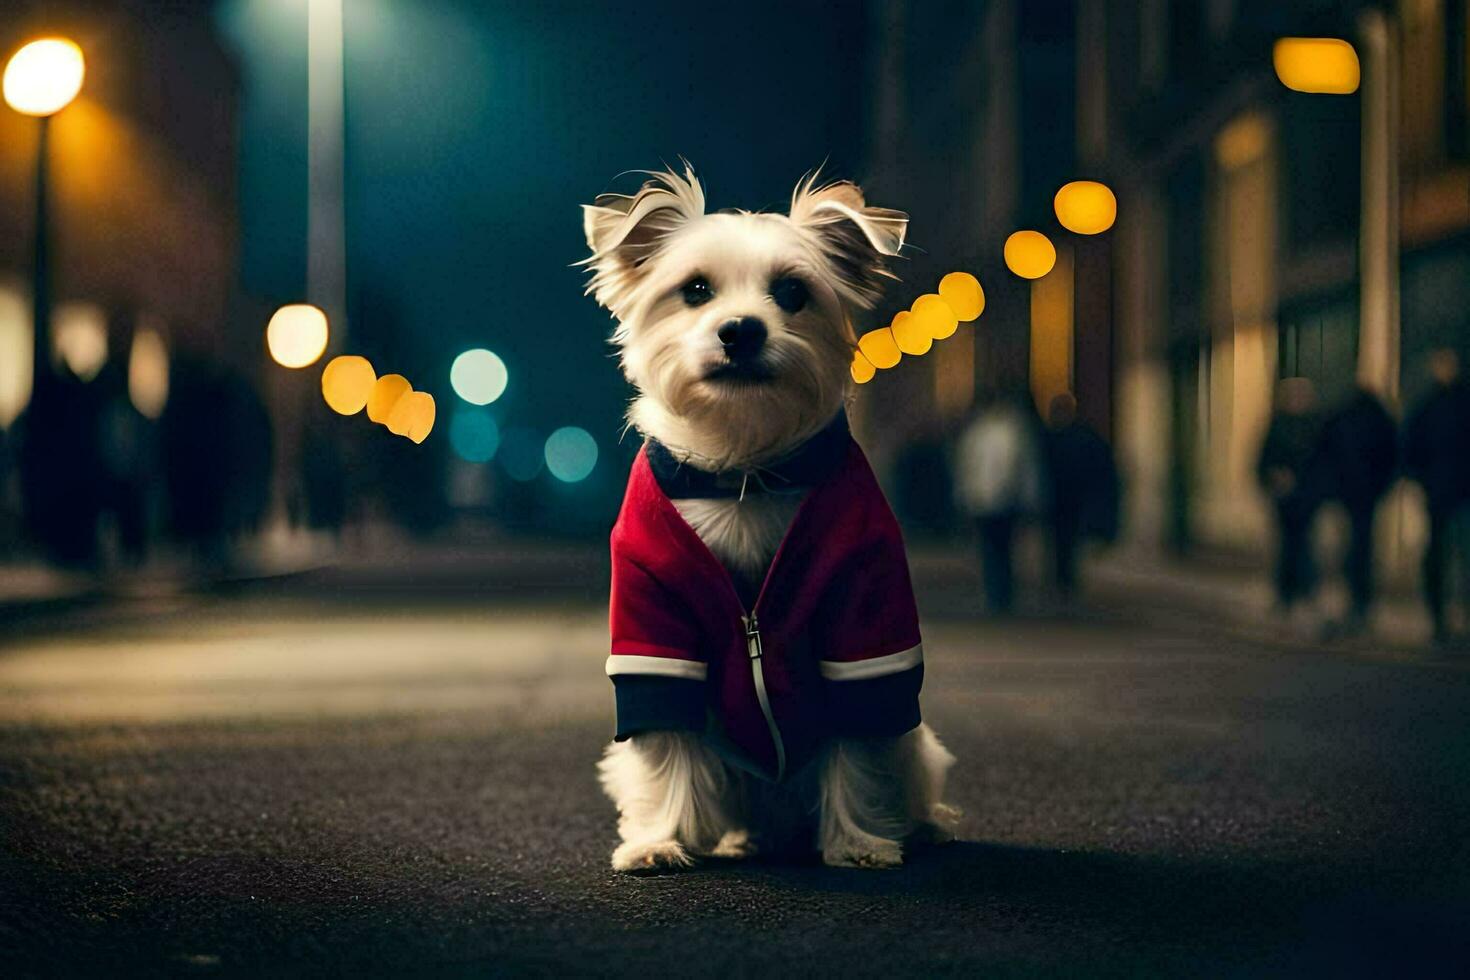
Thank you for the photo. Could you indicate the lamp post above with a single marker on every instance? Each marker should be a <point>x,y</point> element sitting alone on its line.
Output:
<point>41,79</point>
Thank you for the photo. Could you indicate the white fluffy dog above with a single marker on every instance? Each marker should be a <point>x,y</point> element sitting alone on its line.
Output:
<point>734,328</point>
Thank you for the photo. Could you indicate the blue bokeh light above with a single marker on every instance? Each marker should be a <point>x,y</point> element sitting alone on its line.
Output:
<point>571,453</point>
<point>474,435</point>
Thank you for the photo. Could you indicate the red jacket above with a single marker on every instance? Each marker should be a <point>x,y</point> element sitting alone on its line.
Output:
<point>831,647</point>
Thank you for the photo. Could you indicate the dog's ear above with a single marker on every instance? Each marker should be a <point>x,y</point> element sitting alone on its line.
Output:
<point>623,231</point>
<point>855,238</point>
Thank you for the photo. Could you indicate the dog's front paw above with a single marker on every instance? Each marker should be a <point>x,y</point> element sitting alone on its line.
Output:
<point>665,855</point>
<point>875,852</point>
<point>735,844</point>
<point>942,825</point>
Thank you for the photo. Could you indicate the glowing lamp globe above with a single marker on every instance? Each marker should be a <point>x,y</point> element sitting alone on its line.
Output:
<point>297,335</point>
<point>879,347</point>
<point>963,294</point>
<point>384,398</point>
<point>1086,207</point>
<point>910,333</point>
<point>1318,65</point>
<point>1030,254</point>
<point>862,369</point>
<point>935,316</point>
<point>43,77</point>
<point>346,383</point>
<point>478,376</point>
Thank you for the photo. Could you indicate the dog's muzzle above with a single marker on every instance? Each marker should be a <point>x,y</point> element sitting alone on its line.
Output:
<point>743,339</point>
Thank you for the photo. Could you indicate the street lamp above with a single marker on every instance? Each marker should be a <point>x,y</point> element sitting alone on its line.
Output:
<point>41,79</point>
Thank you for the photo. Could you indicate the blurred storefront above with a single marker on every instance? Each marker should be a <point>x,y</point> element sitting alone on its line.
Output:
<point>1261,233</point>
<point>1269,234</point>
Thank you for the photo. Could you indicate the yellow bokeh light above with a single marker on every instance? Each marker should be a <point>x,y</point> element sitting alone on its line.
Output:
<point>16,352</point>
<point>910,333</point>
<point>43,77</point>
<point>296,335</point>
<point>1320,65</point>
<point>347,381</point>
<point>413,416</point>
<point>963,294</point>
<point>423,420</point>
<point>935,317</point>
<point>79,338</point>
<point>1086,207</point>
<point>148,371</point>
<point>424,416</point>
<point>862,369</point>
<point>387,392</point>
<point>1030,254</point>
<point>879,347</point>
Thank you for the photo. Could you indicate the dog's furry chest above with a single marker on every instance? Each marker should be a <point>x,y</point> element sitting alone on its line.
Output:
<point>742,534</point>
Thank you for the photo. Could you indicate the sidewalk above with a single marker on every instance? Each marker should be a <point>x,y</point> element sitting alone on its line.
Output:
<point>1226,594</point>
<point>1242,597</point>
<point>33,586</point>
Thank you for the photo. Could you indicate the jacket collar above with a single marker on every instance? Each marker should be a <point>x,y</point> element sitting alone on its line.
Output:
<point>804,467</point>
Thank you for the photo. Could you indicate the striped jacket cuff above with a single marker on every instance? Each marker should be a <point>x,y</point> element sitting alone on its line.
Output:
<point>642,664</point>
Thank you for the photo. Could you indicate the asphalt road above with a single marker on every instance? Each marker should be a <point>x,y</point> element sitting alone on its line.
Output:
<point>351,776</point>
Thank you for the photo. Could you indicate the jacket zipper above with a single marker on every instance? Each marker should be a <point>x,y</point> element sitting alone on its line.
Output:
<point>758,674</point>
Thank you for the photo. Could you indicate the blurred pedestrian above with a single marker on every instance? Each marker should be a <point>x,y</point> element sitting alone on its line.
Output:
<point>1289,471</point>
<point>61,469</point>
<point>217,449</point>
<point>1360,457</point>
<point>126,453</point>
<point>999,482</point>
<point>1084,488</point>
<point>1437,455</point>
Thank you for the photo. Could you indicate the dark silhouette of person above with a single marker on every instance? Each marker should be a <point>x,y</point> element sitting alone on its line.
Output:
<point>61,469</point>
<point>1289,472</point>
<point>217,452</point>
<point>1084,488</point>
<point>1437,455</point>
<point>126,457</point>
<point>1360,455</point>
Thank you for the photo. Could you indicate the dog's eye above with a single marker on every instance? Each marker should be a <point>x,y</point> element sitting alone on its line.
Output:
<point>789,293</point>
<point>697,292</point>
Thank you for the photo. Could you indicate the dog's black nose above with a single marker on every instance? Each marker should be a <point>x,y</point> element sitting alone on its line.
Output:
<point>742,338</point>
